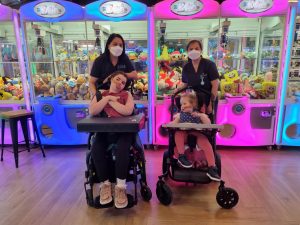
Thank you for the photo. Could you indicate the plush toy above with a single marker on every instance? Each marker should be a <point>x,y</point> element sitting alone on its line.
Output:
<point>231,76</point>
<point>175,56</point>
<point>228,87</point>
<point>60,88</point>
<point>164,54</point>
<point>184,56</point>
<point>83,90</point>
<point>269,89</point>
<point>132,56</point>
<point>143,56</point>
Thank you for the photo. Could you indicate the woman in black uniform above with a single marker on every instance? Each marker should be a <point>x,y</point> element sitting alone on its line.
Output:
<point>200,72</point>
<point>113,59</point>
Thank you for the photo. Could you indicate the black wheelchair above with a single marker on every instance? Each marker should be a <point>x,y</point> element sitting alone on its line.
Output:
<point>136,168</point>
<point>137,164</point>
<point>226,197</point>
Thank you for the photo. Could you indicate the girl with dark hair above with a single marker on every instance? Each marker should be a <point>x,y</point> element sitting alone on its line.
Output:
<point>200,73</point>
<point>115,102</point>
<point>113,59</point>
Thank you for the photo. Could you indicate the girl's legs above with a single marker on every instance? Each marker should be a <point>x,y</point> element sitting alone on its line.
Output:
<point>98,152</point>
<point>121,167</point>
<point>204,144</point>
<point>180,139</point>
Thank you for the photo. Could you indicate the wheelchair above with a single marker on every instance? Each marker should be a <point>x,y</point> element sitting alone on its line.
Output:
<point>136,169</point>
<point>226,197</point>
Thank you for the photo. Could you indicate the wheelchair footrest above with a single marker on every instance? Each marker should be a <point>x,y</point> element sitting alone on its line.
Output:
<point>190,175</point>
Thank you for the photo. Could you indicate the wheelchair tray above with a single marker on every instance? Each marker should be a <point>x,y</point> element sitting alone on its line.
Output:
<point>193,126</point>
<point>130,124</point>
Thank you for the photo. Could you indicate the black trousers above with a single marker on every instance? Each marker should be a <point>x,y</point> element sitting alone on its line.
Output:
<point>100,159</point>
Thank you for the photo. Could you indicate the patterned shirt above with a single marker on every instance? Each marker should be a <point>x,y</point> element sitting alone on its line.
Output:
<point>186,117</point>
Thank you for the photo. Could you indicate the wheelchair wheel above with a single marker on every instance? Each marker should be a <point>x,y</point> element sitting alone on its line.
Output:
<point>146,193</point>
<point>164,162</point>
<point>227,198</point>
<point>89,197</point>
<point>219,164</point>
<point>163,193</point>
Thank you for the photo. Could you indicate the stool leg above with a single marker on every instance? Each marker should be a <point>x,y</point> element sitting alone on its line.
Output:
<point>2,137</point>
<point>14,137</point>
<point>37,134</point>
<point>24,126</point>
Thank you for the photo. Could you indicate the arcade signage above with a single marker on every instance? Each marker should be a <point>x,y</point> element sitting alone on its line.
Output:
<point>115,9</point>
<point>186,7</point>
<point>256,6</point>
<point>49,9</point>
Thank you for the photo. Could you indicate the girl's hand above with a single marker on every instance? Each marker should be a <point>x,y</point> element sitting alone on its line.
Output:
<point>111,98</point>
<point>196,114</point>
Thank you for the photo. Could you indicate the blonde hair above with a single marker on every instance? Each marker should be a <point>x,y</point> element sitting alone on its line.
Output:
<point>192,98</point>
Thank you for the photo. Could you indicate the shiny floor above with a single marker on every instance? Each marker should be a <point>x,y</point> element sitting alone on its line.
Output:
<point>50,191</point>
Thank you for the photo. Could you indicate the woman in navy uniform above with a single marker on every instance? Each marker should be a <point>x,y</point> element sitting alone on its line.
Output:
<point>113,59</point>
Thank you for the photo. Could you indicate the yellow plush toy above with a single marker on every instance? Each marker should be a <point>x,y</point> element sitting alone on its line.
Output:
<point>164,54</point>
<point>269,89</point>
<point>228,87</point>
<point>232,76</point>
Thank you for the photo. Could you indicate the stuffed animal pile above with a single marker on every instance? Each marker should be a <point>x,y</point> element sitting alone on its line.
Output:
<point>70,88</point>
<point>256,86</point>
<point>11,89</point>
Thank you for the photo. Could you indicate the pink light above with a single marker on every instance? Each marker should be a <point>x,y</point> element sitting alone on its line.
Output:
<point>231,8</point>
<point>210,9</point>
<point>151,75</point>
<point>5,13</point>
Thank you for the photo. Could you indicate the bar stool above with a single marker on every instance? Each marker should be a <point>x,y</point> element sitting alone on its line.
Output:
<point>13,117</point>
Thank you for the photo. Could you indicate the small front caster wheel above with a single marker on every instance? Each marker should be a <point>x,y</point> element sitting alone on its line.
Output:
<point>227,198</point>
<point>146,193</point>
<point>163,193</point>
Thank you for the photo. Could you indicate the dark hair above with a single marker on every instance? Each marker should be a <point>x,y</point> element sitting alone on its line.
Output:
<point>116,73</point>
<point>109,40</point>
<point>192,42</point>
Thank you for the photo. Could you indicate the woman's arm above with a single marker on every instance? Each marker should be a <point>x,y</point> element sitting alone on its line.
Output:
<point>92,85</point>
<point>214,89</point>
<point>132,75</point>
<point>96,107</point>
<point>125,110</point>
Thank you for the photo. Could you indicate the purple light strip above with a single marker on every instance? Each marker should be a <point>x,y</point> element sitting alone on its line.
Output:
<point>22,67</point>
<point>151,74</point>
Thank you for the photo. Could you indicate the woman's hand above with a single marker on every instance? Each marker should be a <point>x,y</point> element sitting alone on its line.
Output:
<point>209,109</point>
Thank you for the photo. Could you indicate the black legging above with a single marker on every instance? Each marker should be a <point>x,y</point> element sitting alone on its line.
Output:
<point>99,148</point>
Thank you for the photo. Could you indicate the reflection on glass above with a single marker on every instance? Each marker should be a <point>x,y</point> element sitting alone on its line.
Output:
<point>10,78</point>
<point>294,75</point>
<point>249,61</point>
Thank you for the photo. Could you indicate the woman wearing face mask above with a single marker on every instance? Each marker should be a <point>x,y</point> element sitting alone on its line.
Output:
<point>113,59</point>
<point>200,72</point>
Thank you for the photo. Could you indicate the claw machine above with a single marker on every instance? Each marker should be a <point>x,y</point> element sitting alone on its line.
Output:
<point>57,57</point>
<point>13,82</point>
<point>249,56</point>
<point>288,126</point>
<point>129,19</point>
<point>178,22</point>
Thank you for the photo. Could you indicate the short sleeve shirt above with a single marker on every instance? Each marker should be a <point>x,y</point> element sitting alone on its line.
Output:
<point>207,72</point>
<point>103,67</point>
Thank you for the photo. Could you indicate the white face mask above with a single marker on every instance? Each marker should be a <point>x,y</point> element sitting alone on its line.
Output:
<point>194,54</point>
<point>116,50</point>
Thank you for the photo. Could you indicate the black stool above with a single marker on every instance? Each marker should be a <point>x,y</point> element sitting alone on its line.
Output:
<point>13,117</point>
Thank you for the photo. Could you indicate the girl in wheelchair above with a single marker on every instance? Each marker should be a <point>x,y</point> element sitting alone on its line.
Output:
<point>115,102</point>
<point>190,114</point>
